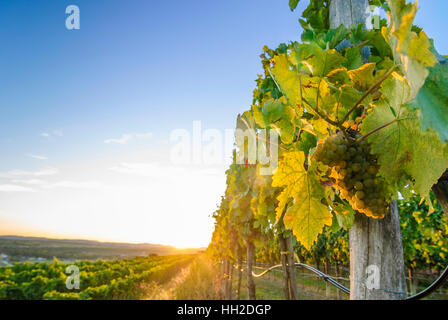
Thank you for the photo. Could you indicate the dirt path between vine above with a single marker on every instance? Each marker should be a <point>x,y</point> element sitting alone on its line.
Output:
<point>167,291</point>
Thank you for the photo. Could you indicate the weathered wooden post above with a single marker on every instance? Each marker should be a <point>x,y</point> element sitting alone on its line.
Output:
<point>376,252</point>
<point>293,290</point>
<point>441,191</point>
<point>250,278</point>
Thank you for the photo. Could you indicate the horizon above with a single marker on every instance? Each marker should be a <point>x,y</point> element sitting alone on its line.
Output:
<point>98,241</point>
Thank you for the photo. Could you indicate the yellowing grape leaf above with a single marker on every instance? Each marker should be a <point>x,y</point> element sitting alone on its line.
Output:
<point>405,153</point>
<point>363,77</point>
<point>287,79</point>
<point>307,215</point>
<point>411,50</point>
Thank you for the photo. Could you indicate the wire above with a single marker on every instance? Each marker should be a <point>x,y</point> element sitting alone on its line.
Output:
<point>426,292</point>
<point>431,288</point>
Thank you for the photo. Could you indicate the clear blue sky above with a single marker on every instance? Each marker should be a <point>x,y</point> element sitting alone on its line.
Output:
<point>134,67</point>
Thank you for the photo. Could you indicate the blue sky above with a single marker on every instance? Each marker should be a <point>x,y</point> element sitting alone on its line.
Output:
<point>135,71</point>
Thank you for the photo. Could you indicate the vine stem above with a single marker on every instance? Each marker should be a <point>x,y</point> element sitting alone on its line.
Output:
<point>324,117</point>
<point>371,89</point>
<point>376,130</point>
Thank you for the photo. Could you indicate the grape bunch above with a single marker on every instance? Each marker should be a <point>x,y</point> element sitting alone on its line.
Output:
<point>355,171</point>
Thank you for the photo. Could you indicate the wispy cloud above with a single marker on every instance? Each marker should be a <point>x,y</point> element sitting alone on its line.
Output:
<point>76,185</point>
<point>34,182</point>
<point>58,133</point>
<point>14,188</point>
<point>23,173</point>
<point>36,156</point>
<point>54,133</point>
<point>156,170</point>
<point>125,138</point>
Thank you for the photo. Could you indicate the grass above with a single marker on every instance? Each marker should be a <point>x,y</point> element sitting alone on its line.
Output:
<point>202,282</point>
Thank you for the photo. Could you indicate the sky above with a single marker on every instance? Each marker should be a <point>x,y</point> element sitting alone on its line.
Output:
<point>88,117</point>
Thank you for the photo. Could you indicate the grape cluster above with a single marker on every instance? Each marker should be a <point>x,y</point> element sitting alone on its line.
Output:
<point>355,171</point>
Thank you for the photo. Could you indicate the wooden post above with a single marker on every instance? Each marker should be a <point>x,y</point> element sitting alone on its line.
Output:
<point>441,192</point>
<point>283,258</point>
<point>225,280</point>
<point>376,257</point>
<point>230,282</point>
<point>250,278</point>
<point>336,268</point>
<point>327,284</point>
<point>347,12</point>
<point>292,280</point>
<point>375,245</point>
<point>411,285</point>
<point>240,267</point>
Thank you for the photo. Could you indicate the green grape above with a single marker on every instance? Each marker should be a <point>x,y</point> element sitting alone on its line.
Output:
<point>360,194</point>
<point>356,172</point>
<point>359,185</point>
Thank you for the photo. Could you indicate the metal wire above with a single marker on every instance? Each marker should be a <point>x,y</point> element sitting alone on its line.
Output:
<point>436,284</point>
<point>431,288</point>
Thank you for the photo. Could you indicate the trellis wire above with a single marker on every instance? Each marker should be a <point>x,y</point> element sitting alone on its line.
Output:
<point>434,286</point>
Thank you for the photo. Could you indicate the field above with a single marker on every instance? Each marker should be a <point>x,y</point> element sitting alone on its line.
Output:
<point>21,249</point>
<point>115,279</point>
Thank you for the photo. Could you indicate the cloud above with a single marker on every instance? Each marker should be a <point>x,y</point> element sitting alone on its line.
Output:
<point>148,169</point>
<point>35,156</point>
<point>23,173</point>
<point>14,188</point>
<point>34,182</point>
<point>76,185</point>
<point>125,138</point>
<point>54,133</point>
<point>147,135</point>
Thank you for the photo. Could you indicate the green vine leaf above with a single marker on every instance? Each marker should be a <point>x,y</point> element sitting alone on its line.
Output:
<point>402,148</point>
<point>432,100</point>
<point>293,4</point>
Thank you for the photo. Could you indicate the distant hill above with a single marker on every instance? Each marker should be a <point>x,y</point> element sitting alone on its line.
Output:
<point>19,248</point>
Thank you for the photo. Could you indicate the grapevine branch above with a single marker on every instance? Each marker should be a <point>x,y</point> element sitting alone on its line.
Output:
<point>376,130</point>
<point>372,88</point>
<point>321,115</point>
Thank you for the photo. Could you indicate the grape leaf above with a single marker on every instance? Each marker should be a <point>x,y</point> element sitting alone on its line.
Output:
<point>363,77</point>
<point>272,110</point>
<point>432,100</point>
<point>306,142</point>
<point>287,79</point>
<point>293,4</point>
<point>324,61</point>
<point>411,50</point>
<point>354,58</point>
<point>402,148</point>
<point>307,215</point>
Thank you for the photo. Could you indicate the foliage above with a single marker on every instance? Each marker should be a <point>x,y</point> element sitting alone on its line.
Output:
<point>425,244</point>
<point>98,280</point>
